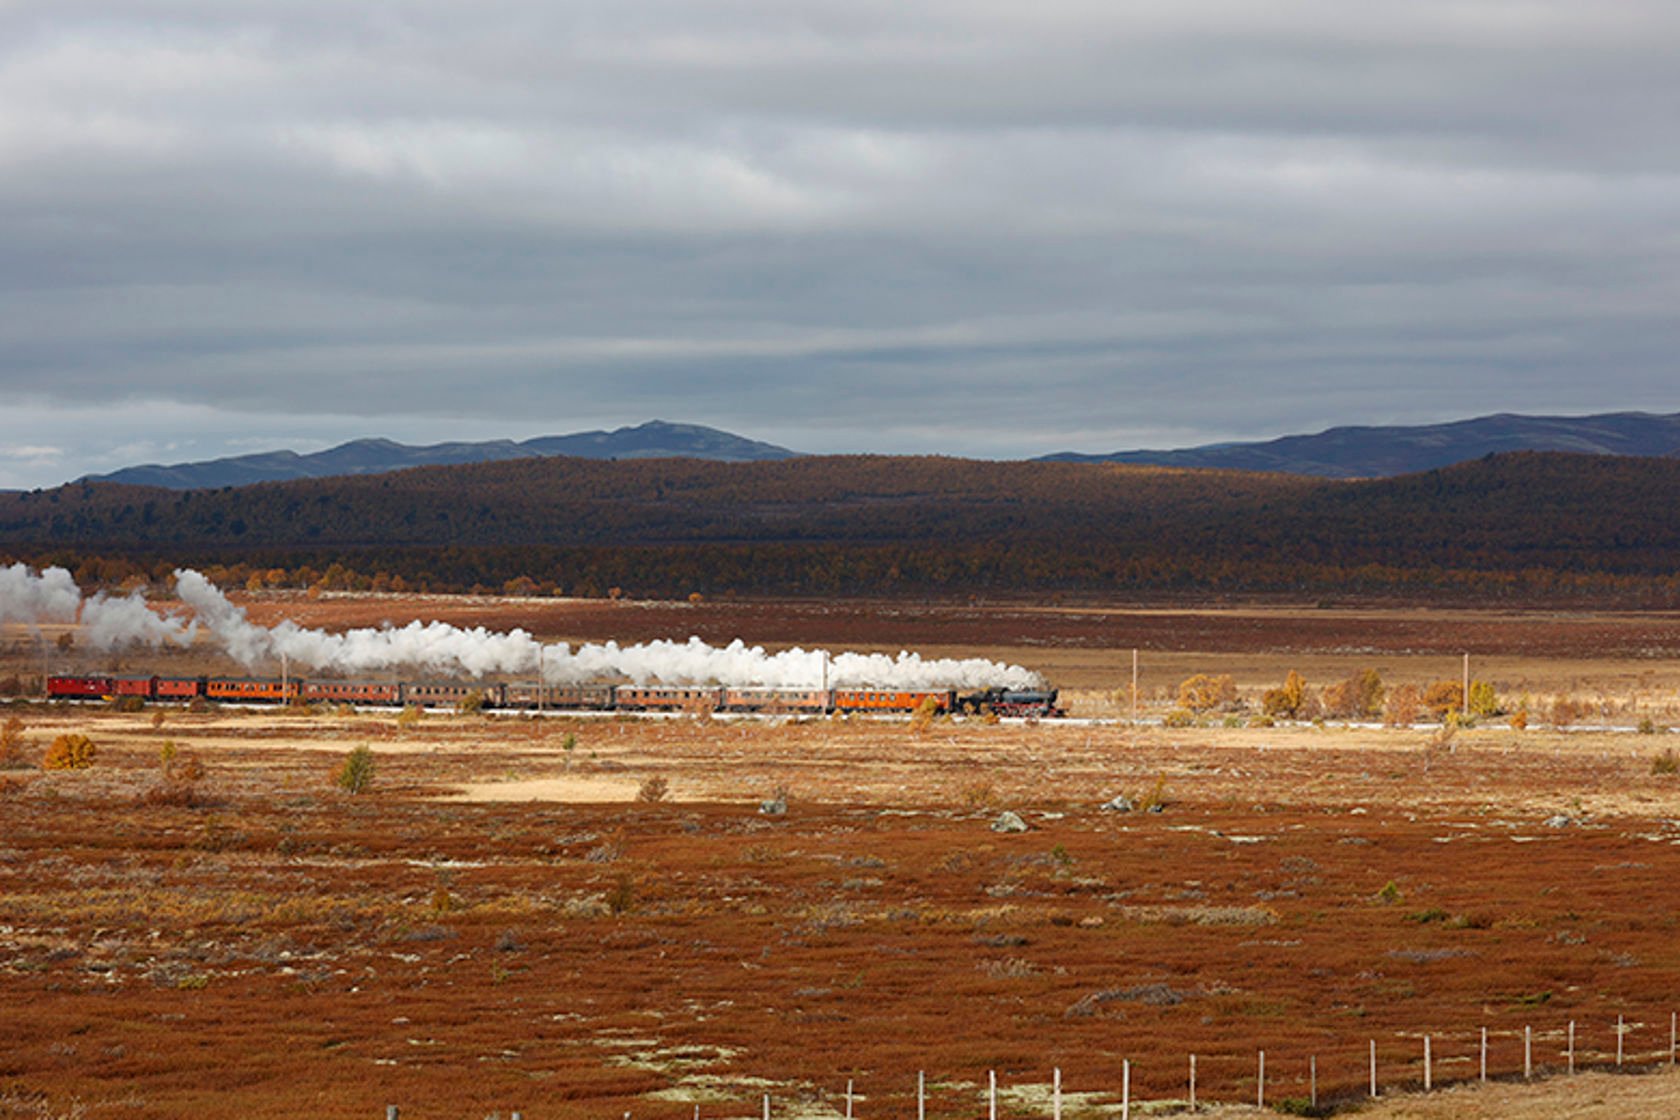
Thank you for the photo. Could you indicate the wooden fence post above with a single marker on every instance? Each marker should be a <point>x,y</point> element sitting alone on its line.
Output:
<point>1125,1090</point>
<point>767,1106</point>
<point>1373,1069</point>
<point>1260,1089</point>
<point>991,1095</point>
<point>921,1095</point>
<point>1484,1055</point>
<point>1528,1053</point>
<point>1621,1033</point>
<point>1056,1095</point>
<point>848,1101</point>
<point>1571,1046</point>
<point>1192,1083</point>
<point>390,1112</point>
<point>1428,1066</point>
<point>1312,1082</point>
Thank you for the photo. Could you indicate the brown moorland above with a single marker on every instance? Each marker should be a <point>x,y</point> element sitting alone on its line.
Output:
<point>498,923</point>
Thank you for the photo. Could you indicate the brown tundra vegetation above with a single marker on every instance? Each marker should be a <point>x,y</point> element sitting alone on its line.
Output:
<point>204,923</point>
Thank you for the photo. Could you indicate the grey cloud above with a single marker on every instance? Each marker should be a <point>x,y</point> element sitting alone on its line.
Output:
<point>1189,220</point>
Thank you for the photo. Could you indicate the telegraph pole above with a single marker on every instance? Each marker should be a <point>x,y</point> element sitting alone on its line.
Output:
<point>1466,712</point>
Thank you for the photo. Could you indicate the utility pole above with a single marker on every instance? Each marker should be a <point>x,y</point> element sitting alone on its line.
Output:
<point>1466,686</point>
<point>1134,684</point>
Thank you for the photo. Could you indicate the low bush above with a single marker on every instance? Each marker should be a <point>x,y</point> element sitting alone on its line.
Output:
<point>12,744</point>
<point>1204,692</point>
<point>355,774</point>
<point>1666,763</point>
<point>70,752</point>
<point>653,789</point>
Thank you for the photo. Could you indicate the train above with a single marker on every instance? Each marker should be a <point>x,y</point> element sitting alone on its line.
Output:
<point>530,696</point>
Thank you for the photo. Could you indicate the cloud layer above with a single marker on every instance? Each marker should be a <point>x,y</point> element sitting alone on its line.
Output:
<point>980,228</point>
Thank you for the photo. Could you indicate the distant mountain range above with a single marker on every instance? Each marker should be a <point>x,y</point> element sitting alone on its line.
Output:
<point>1349,452</point>
<point>1384,452</point>
<point>653,440</point>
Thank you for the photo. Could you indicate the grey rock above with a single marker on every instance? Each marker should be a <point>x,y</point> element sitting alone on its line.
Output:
<point>775,807</point>
<point>1009,822</point>
<point>1120,804</point>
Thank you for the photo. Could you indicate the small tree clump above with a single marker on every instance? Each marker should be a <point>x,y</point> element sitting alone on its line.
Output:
<point>1484,701</point>
<point>471,704</point>
<point>1358,697</point>
<point>653,789</point>
<point>1443,697</point>
<point>70,752</point>
<point>355,775</point>
<point>1205,692</point>
<point>1404,704</point>
<point>1289,701</point>
<point>1666,763</point>
<point>1565,711</point>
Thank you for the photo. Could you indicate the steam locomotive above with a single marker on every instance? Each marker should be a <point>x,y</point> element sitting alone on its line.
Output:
<point>528,695</point>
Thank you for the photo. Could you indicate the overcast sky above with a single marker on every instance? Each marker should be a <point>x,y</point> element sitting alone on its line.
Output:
<point>962,226</point>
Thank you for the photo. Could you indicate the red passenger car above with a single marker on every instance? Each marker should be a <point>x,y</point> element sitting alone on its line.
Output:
<point>79,688</point>
<point>179,688</point>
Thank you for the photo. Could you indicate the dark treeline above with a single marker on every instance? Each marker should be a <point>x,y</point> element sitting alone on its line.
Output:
<point>1520,528</point>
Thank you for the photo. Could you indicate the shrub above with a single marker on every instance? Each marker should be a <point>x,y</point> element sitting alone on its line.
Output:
<point>922,718</point>
<point>1404,704</point>
<point>1519,720</point>
<point>1484,701</point>
<point>622,898</point>
<point>355,775</point>
<point>1203,693</point>
<point>1289,701</point>
<point>1565,711</point>
<point>12,744</point>
<point>471,704</point>
<point>1179,717</point>
<point>653,789</point>
<point>1647,726</point>
<point>409,716</point>
<point>1358,697</point>
<point>1666,763</point>
<point>1443,697</point>
<point>70,752</point>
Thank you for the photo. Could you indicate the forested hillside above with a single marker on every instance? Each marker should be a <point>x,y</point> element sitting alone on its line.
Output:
<point>1522,526</point>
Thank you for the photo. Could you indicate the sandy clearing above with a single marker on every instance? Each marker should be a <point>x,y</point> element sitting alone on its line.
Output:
<point>571,789</point>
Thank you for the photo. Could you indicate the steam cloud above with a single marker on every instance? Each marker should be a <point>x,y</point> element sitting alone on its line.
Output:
<point>110,622</point>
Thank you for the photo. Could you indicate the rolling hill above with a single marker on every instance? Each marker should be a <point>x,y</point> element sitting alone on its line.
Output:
<point>1522,526</point>
<point>655,439</point>
<point>1382,452</point>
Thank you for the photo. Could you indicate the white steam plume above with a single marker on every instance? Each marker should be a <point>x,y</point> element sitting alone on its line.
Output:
<point>51,596</point>
<point>438,647</point>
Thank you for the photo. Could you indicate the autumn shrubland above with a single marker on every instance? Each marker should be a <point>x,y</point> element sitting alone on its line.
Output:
<point>593,916</point>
